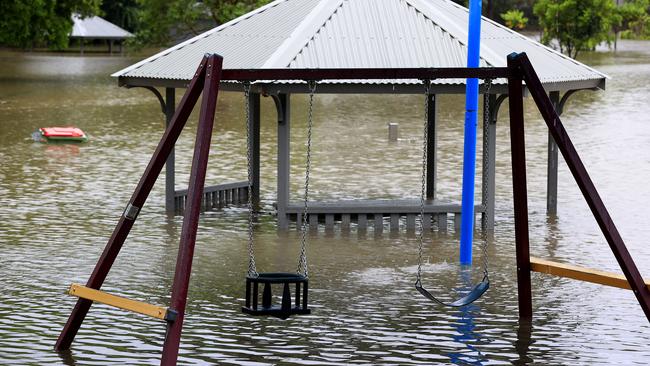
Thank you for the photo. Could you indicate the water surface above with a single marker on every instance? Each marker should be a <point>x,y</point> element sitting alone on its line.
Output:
<point>59,204</point>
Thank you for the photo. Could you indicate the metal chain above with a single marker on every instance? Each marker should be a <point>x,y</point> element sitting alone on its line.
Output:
<point>302,264</point>
<point>427,89</point>
<point>486,121</point>
<point>252,270</point>
<point>427,86</point>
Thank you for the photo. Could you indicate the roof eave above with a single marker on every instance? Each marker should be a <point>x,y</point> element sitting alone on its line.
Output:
<point>103,37</point>
<point>359,88</point>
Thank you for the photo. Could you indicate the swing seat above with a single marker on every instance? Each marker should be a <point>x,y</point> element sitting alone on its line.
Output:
<point>286,308</point>
<point>476,292</point>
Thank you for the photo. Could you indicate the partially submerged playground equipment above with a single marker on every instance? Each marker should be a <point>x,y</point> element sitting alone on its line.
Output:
<point>207,80</point>
<point>211,77</point>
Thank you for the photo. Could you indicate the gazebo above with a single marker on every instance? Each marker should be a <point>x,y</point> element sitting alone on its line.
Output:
<point>94,27</point>
<point>351,34</point>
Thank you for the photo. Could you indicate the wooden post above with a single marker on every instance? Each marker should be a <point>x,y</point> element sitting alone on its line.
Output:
<point>254,141</point>
<point>432,144</point>
<point>552,165</point>
<point>284,158</point>
<point>193,208</point>
<point>170,175</point>
<point>393,131</point>
<point>585,184</point>
<point>523,343</point>
<point>136,203</point>
<point>520,195</point>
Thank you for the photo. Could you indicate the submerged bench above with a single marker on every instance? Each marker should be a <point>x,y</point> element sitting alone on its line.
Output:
<point>395,214</point>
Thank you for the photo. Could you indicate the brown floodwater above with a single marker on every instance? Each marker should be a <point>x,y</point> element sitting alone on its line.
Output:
<point>59,204</point>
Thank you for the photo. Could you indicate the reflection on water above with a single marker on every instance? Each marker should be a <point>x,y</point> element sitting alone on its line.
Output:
<point>59,204</point>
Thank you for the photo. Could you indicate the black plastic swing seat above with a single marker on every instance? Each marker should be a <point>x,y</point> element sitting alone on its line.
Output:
<point>288,307</point>
<point>476,292</point>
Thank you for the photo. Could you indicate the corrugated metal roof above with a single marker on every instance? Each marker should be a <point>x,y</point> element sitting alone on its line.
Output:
<point>96,28</point>
<point>356,34</point>
<point>498,41</point>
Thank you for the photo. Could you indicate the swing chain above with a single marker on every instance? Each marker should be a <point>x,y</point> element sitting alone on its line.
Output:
<point>484,249</point>
<point>427,96</point>
<point>252,270</point>
<point>302,265</point>
<point>487,119</point>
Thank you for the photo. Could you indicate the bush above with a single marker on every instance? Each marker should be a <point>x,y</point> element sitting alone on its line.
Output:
<point>514,19</point>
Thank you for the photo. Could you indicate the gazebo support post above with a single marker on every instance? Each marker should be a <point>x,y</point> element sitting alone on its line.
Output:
<point>551,177</point>
<point>489,161</point>
<point>170,165</point>
<point>282,103</point>
<point>254,141</point>
<point>432,145</point>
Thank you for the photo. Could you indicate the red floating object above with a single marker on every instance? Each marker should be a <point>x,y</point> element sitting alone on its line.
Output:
<point>63,134</point>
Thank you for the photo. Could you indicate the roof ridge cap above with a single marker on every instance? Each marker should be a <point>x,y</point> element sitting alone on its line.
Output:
<point>196,38</point>
<point>302,34</point>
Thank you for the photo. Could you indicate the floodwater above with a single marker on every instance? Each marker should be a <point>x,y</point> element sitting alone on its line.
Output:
<point>59,204</point>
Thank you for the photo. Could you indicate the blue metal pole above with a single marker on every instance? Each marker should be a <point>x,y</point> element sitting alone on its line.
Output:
<point>469,154</point>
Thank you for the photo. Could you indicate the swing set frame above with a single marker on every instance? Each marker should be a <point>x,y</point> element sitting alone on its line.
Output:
<point>207,79</point>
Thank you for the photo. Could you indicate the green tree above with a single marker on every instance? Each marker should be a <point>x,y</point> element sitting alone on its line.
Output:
<point>222,11</point>
<point>123,13</point>
<point>514,19</point>
<point>32,23</point>
<point>163,20</point>
<point>576,25</point>
<point>635,19</point>
<point>491,7</point>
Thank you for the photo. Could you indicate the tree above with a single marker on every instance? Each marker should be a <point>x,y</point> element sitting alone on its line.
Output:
<point>31,23</point>
<point>491,7</point>
<point>222,11</point>
<point>635,19</point>
<point>162,20</point>
<point>123,13</point>
<point>514,19</point>
<point>576,25</point>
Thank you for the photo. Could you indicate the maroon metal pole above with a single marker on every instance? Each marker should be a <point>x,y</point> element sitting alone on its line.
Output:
<point>193,209</point>
<point>587,187</point>
<point>519,191</point>
<point>129,216</point>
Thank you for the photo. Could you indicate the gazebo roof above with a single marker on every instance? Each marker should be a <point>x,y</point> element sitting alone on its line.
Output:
<point>96,28</point>
<point>356,34</point>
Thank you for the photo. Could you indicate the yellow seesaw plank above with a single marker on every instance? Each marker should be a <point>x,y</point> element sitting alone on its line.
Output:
<point>117,301</point>
<point>580,273</point>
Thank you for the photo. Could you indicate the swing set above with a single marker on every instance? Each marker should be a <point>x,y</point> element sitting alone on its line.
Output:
<point>206,81</point>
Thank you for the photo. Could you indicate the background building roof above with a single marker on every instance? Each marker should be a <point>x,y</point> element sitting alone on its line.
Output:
<point>356,34</point>
<point>96,28</point>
